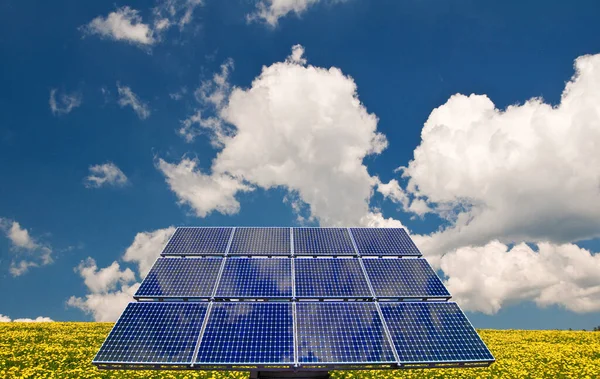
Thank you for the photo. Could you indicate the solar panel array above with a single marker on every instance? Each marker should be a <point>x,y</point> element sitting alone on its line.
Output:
<point>291,298</point>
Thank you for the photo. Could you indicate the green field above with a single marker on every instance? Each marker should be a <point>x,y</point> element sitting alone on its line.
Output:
<point>65,350</point>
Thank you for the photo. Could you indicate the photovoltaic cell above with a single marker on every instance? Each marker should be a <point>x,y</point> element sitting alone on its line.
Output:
<point>256,278</point>
<point>404,278</point>
<point>432,332</point>
<point>199,241</point>
<point>153,332</point>
<point>261,241</point>
<point>384,241</point>
<point>322,241</point>
<point>181,277</point>
<point>248,333</point>
<point>330,277</point>
<point>341,332</point>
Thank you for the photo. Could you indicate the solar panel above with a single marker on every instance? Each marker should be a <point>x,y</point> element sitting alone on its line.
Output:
<point>433,332</point>
<point>261,241</point>
<point>198,241</point>
<point>330,277</point>
<point>256,278</point>
<point>384,241</point>
<point>153,332</point>
<point>248,333</point>
<point>404,278</point>
<point>181,278</point>
<point>322,241</point>
<point>341,332</point>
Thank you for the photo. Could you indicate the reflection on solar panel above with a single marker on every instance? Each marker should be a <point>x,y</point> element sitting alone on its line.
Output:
<point>291,299</point>
<point>433,332</point>
<point>384,241</point>
<point>257,241</point>
<point>404,278</point>
<point>181,277</point>
<point>322,241</point>
<point>198,241</point>
<point>153,332</point>
<point>341,333</point>
<point>256,278</point>
<point>245,333</point>
<point>330,277</point>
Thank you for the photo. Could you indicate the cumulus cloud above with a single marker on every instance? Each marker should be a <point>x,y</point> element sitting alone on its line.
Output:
<point>28,251</point>
<point>63,103</point>
<point>486,278</point>
<point>107,174</point>
<point>146,247</point>
<point>124,24</point>
<point>526,173</point>
<point>270,11</point>
<point>298,127</point>
<point>4,318</point>
<point>128,98</point>
<point>111,288</point>
<point>204,193</point>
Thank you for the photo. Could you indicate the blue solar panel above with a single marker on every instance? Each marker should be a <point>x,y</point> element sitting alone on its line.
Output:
<point>433,332</point>
<point>330,277</point>
<point>261,241</point>
<point>404,278</point>
<point>248,333</point>
<point>198,241</point>
<point>384,241</point>
<point>322,241</point>
<point>256,278</point>
<point>181,277</point>
<point>341,332</point>
<point>153,332</point>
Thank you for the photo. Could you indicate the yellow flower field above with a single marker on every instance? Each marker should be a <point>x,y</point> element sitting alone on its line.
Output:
<point>65,350</point>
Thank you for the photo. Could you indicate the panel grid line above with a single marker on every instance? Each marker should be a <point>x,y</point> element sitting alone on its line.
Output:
<point>293,279</point>
<point>229,242</point>
<point>204,323</point>
<point>292,242</point>
<point>217,282</point>
<point>295,321</point>
<point>387,332</point>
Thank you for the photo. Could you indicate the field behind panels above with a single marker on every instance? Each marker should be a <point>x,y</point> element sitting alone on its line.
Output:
<point>65,350</point>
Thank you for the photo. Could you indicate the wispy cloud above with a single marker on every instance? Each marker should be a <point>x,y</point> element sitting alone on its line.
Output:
<point>124,24</point>
<point>30,252</point>
<point>128,98</point>
<point>270,11</point>
<point>107,174</point>
<point>63,103</point>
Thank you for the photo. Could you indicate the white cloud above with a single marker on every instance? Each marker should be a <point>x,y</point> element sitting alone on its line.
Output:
<point>37,319</point>
<point>298,127</point>
<point>527,173</point>
<point>107,174</point>
<point>128,98</point>
<point>488,277</point>
<point>106,279</point>
<point>29,252</point>
<point>63,103</point>
<point>105,307</point>
<point>112,288</point>
<point>4,318</point>
<point>124,24</point>
<point>270,11</point>
<point>204,193</point>
<point>146,247</point>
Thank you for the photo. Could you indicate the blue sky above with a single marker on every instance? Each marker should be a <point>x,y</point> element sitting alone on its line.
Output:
<point>120,120</point>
